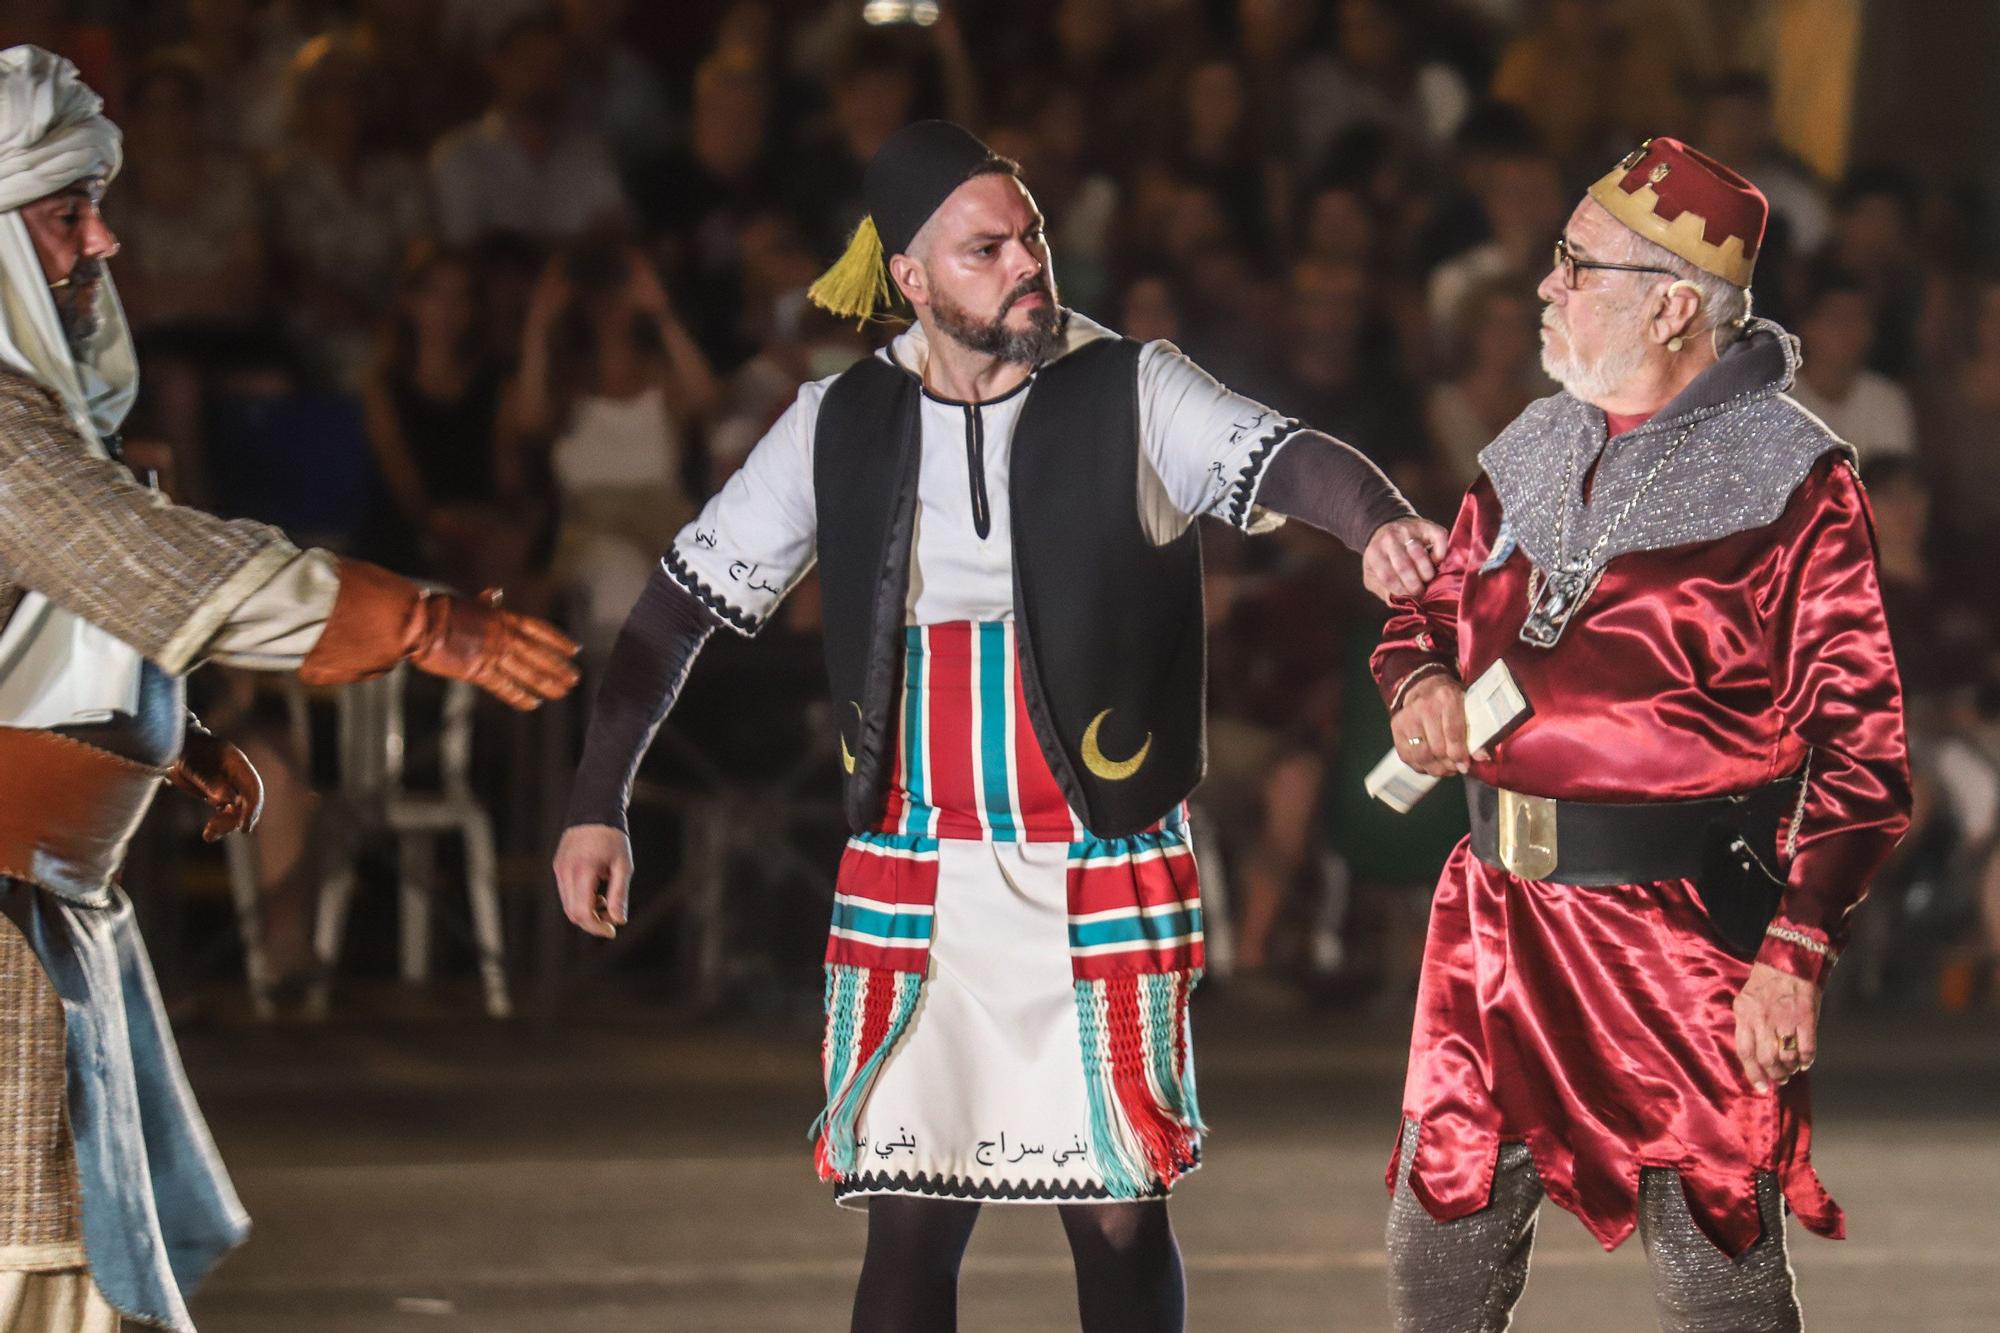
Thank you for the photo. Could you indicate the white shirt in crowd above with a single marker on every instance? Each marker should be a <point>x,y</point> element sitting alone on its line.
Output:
<point>1876,416</point>
<point>487,182</point>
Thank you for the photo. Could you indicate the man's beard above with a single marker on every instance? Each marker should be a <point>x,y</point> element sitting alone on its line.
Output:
<point>1616,363</point>
<point>1031,346</point>
<point>78,303</point>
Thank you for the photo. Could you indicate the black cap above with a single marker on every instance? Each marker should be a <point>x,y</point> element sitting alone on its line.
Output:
<point>914,172</point>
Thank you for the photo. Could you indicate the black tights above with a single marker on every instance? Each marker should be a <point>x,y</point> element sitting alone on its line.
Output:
<point>1128,1267</point>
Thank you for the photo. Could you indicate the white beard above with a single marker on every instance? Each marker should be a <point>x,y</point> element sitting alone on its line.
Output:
<point>1598,379</point>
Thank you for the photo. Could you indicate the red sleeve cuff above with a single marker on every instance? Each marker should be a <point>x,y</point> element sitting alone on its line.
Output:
<point>1800,950</point>
<point>1400,668</point>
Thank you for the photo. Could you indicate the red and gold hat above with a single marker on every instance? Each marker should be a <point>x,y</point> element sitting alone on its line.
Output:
<point>1690,203</point>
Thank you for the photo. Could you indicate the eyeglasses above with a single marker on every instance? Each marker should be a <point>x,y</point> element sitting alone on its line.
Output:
<point>1569,264</point>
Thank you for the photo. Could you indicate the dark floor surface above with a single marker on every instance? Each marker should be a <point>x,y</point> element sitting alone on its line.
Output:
<point>642,1174</point>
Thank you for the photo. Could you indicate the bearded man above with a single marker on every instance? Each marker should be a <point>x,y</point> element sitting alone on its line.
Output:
<point>112,1201</point>
<point>1001,503</point>
<point>1621,985</point>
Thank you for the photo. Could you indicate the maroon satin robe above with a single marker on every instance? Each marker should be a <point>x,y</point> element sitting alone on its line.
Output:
<point>1595,1024</point>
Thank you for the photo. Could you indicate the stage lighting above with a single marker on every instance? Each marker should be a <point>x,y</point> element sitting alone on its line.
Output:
<point>881,13</point>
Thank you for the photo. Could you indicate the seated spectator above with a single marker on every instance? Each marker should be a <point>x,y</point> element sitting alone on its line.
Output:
<point>522,167</point>
<point>1393,183</point>
<point>1218,148</point>
<point>1269,730</point>
<point>1337,370</point>
<point>509,267</point>
<point>418,87</point>
<point>872,92</point>
<point>1867,409</point>
<point>796,340</point>
<point>1961,435</point>
<point>1300,92</point>
<point>1520,198</point>
<point>194,281</point>
<point>612,88</point>
<point>1874,243</point>
<point>609,394</point>
<point>1943,639</point>
<point>343,215</point>
<point>1150,310</point>
<point>1337,227</point>
<point>1078,196</point>
<point>698,198</point>
<point>188,206</point>
<point>1498,373</point>
<point>432,405</point>
<point>1944,878</point>
<point>1381,78</point>
<point>1737,128</point>
<point>92,46</point>
<point>240,50</point>
<point>1592,79</point>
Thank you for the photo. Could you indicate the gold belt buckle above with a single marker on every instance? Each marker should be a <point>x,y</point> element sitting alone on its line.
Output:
<point>1527,834</point>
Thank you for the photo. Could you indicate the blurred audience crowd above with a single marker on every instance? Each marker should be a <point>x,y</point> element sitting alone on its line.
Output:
<point>497,291</point>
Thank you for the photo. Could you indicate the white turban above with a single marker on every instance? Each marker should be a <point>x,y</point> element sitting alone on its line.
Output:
<point>53,134</point>
<point>52,127</point>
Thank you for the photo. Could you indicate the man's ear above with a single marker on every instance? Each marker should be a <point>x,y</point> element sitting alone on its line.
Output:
<point>910,279</point>
<point>1681,309</point>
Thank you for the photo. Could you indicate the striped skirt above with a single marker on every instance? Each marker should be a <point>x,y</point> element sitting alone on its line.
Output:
<point>1007,994</point>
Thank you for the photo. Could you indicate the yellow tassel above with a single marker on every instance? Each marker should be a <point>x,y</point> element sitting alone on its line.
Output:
<point>858,283</point>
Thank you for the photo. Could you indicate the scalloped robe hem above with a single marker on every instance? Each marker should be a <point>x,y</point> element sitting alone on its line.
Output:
<point>1595,1026</point>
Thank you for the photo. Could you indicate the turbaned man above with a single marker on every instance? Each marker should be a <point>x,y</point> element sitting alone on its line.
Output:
<point>112,1200</point>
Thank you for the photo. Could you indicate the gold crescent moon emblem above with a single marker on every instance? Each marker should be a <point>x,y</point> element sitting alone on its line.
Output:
<point>847,755</point>
<point>1111,770</point>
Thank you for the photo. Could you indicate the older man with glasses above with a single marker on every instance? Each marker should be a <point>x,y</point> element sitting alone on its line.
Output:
<point>1621,986</point>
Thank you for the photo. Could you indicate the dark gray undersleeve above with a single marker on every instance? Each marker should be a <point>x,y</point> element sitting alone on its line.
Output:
<point>648,665</point>
<point>1332,486</point>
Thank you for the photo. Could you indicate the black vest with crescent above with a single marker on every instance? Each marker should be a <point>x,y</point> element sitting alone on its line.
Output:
<point>1109,624</point>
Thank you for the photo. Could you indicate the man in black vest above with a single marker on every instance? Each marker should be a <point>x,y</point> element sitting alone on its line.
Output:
<point>1001,504</point>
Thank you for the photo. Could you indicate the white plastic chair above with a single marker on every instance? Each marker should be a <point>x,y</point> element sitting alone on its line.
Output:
<point>371,744</point>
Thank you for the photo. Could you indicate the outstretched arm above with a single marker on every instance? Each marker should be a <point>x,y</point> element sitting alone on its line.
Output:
<point>1334,487</point>
<point>1218,453</point>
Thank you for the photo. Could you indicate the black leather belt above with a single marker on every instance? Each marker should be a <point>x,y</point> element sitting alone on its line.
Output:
<point>1593,843</point>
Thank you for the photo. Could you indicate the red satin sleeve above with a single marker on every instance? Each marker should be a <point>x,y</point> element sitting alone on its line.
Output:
<point>1835,687</point>
<point>1421,637</point>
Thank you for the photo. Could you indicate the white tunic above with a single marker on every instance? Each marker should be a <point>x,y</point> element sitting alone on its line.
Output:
<point>756,537</point>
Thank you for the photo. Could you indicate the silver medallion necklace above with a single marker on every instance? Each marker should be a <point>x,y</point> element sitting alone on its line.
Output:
<point>1555,598</point>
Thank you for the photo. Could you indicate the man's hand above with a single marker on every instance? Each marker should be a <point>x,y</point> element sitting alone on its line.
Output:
<point>222,778</point>
<point>1777,1026</point>
<point>590,855</point>
<point>379,619</point>
<point>520,660</point>
<point>1403,557</point>
<point>1430,727</point>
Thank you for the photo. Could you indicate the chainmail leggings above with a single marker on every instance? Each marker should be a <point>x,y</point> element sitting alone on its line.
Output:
<point>1465,1276</point>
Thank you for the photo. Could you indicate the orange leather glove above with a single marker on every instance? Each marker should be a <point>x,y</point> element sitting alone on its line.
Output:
<point>221,777</point>
<point>380,619</point>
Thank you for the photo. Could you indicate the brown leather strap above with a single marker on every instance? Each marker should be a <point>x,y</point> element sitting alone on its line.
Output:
<point>67,810</point>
